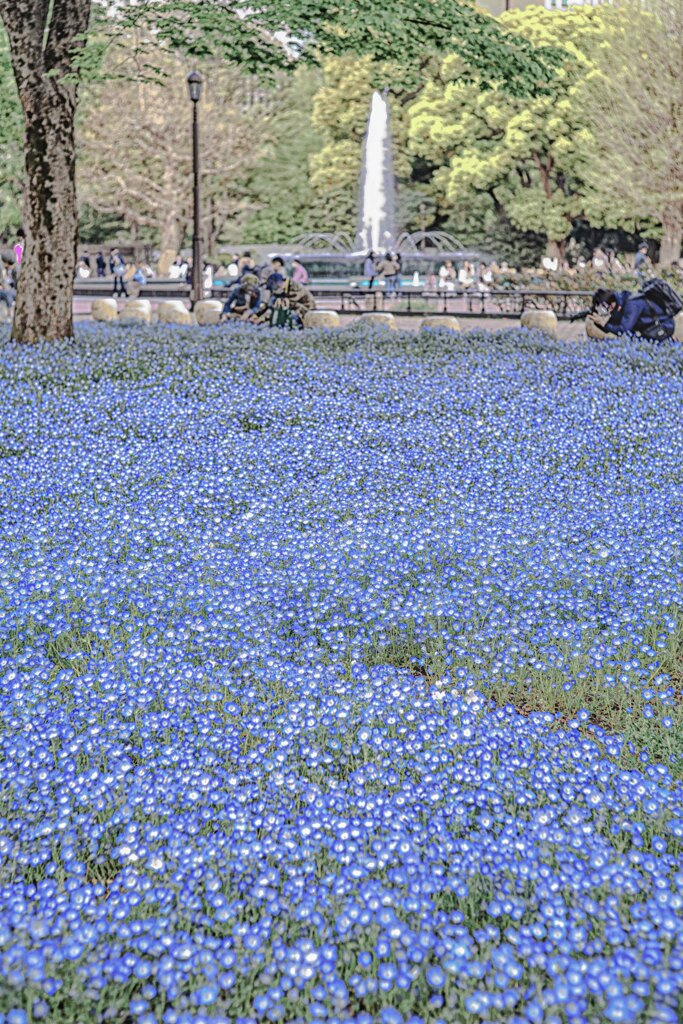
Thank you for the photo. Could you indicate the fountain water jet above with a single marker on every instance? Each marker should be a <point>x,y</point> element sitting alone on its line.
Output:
<point>376,229</point>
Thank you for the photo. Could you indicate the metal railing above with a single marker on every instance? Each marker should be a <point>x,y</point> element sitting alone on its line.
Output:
<point>409,301</point>
<point>493,304</point>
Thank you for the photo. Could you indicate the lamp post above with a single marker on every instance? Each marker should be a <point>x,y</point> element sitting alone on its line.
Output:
<point>194,86</point>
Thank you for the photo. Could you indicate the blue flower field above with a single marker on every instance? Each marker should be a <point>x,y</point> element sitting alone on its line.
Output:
<point>342,679</point>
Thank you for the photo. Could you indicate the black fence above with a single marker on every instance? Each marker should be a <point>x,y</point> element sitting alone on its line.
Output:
<point>409,301</point>
<point>413,301</point>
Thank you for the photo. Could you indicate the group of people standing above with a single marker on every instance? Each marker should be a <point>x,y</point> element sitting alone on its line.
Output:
<point>268,294</point>
<point>387,268</point>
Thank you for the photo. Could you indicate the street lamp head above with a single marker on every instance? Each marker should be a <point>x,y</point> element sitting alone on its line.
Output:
<point>194,85</point>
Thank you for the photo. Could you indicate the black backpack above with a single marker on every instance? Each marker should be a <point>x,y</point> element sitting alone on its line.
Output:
<point>666,303</point>
<point>662,295</point>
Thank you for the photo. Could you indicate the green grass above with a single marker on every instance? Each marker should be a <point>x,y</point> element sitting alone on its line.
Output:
<point>617,708</point>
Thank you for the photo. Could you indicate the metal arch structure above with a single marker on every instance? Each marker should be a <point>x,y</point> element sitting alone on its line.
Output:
<point>323,241</point>
<point>416,242</point>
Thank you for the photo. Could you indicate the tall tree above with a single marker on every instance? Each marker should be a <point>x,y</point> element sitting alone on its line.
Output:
<point>634,105</point>
<point>134,157</point>
<point>282,202</point>
<point>523,159</point>
<point>47,39</point>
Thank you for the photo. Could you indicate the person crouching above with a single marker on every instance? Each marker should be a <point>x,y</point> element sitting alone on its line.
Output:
<point>288,304</point>
<point>626,312</point>
<point>244,299</point>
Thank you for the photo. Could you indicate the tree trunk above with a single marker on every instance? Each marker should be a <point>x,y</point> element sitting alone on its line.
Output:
<point>45,36</point>
<point>555,251</point>
<point>45,290</point>
<point>672,235</point>
<point>171,240</point>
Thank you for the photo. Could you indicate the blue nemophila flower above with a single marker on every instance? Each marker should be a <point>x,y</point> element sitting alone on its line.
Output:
<point>339,678</point>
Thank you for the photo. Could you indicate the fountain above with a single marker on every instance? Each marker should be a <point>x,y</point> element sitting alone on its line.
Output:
<point>334,258</point>
<point>376,229</point>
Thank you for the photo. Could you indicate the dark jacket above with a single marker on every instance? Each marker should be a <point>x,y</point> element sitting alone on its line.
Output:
<point>295,297</point>
<point>634,315</point>
<point>241,299</point>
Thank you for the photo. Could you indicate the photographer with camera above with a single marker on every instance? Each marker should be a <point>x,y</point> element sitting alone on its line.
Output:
<point>649,314</point>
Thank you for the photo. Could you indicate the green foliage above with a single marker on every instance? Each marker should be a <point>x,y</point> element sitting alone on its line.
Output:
<point>279,187</point>
<point>11,144</point>
<point>493,232</point>
<point>96,228</point>
<point>523,157</point>
<point>274,34</point>
<point>634,103</point>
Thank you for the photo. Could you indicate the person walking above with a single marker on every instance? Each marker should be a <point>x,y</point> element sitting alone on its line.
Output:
<point>398,276</point>
<point>19,246</point>
<point>117,266</point>
<point>101,265</point>
<point>369,268</point>
<point>642,264</point>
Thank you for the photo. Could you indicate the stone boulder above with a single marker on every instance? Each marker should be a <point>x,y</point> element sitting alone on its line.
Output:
<point>321,318</point>
<point>593,331</point>
<point>444,323</point>
<point>136,311</point>
<point>104,309</point>
<point>173,312</point>
<point>540,320</point>
<point>380,320</point>
<point>678,326</point>
<point>208,311</point>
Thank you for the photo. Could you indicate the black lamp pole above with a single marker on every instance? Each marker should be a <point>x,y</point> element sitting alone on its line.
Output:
<point>194,85</point>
